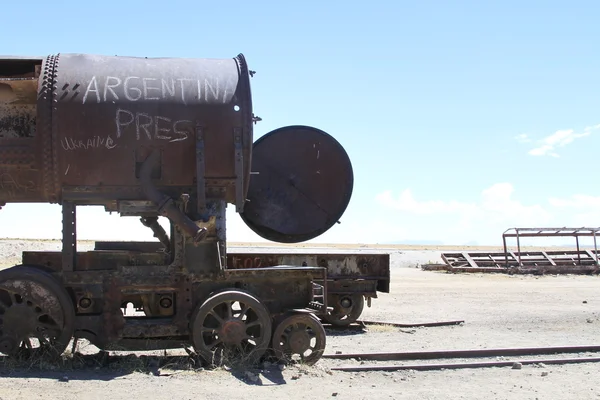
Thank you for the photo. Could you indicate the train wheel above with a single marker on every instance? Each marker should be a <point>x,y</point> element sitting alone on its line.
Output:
<point>299,336</point>
<point>346,309</point>
<point>231,327</point>
<point>36,313</point>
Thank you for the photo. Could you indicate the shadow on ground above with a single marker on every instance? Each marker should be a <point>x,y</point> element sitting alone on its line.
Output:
<point>350,330</point>
<point>104,367</point>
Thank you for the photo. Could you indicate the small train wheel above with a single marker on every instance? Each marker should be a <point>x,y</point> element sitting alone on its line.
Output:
<point>232,326</point>
<point>299,335</point>
<point>347,308</point>
<point>33,305</point>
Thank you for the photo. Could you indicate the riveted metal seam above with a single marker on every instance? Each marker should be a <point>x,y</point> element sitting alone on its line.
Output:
<point>44,105</point>
<point>56,190</point>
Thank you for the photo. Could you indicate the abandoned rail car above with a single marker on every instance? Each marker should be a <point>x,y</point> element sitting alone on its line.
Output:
<point>352,278</point>
<point>150,137</point>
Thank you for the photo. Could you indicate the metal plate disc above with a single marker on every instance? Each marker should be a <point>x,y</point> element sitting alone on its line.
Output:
<point>300,186</point>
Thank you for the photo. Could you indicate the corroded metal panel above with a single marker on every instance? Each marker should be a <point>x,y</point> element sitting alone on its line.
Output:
<point>348,267</point>
<point>301,184</point>
<point>119,108</point>
<point>93,120</point>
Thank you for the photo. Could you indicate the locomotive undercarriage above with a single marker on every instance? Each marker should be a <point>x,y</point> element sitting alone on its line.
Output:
<point>152,296</point>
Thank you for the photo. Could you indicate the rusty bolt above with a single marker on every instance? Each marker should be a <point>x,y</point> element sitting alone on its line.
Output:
<point>165,302</point>
<point>346,302</point>
<point>85,302</point>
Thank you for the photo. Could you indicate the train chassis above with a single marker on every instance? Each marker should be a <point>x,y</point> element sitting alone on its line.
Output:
<point>182,295</point>
<point>353,279</point>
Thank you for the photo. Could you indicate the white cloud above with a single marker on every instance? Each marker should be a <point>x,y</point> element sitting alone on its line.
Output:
<point>523,138</point>
<point>543,150</point>
<point>457,222</point>
<point>406,202</point>
<point>591,128</point>
<point>576,201</point>
<point>584,209</point>
<point>549,144</point>
<point>498,202</point>
<point>495,200</point>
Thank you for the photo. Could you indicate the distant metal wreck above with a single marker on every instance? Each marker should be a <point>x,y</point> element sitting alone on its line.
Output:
<point>578,261</point>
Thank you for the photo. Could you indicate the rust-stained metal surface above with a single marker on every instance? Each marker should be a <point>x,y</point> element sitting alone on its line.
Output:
<point>82,110</point>
<point>301,184</point>
<point>350,278</point>
<point>361,266</point>
<point>464,354</point>
<point>462,365</point>
<point>129,106</point>
<point>16,121</point>
<point>19,177</point>
<point>363,272</point>
<point>96,260</point>
<point>470,353</point>
<point>18,91</point>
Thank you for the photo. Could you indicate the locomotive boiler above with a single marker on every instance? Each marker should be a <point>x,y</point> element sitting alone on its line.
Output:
<point>171,137</point>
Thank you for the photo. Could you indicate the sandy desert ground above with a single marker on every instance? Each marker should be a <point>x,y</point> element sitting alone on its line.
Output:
<point>498,310</point>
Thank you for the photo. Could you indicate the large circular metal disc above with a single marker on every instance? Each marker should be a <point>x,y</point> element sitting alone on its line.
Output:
<point>300,186</point>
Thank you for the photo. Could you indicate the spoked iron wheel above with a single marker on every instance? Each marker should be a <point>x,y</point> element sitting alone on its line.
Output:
<point>346,309</point>
<point>231,327</point>
<point>299,336</point>
<point>36,314</point>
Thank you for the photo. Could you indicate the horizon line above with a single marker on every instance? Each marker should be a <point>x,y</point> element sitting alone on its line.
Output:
<point>397,246</point>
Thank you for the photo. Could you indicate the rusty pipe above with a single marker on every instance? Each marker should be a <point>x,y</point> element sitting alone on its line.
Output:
<point>166,205</point>
<point>157,229</point>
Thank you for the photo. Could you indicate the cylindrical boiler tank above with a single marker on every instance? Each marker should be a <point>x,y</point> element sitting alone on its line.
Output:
<point>82,126</point>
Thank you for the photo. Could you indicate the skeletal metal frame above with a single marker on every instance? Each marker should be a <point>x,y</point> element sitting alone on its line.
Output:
<point>519,233</point>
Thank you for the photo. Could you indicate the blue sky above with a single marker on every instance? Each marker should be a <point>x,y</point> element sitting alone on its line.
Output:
<point>461,118</point>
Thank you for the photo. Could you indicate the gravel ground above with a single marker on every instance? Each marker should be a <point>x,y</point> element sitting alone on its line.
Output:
<point>498,310</point>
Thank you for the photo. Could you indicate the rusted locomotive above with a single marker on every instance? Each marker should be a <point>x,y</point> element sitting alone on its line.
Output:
<point>151,137</point>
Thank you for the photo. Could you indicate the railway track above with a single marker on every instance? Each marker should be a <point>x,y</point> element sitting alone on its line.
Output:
<point>362,324</point>
<point>464,354</point>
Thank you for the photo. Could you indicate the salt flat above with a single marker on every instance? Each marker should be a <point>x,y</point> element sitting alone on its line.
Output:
<point>498,310</point>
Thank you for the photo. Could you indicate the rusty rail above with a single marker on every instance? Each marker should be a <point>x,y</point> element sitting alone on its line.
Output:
<point>418,325</point>
<point>485,364</point>
<point>361,324</point>
<point>478,353</point>
<point>443,354</point>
